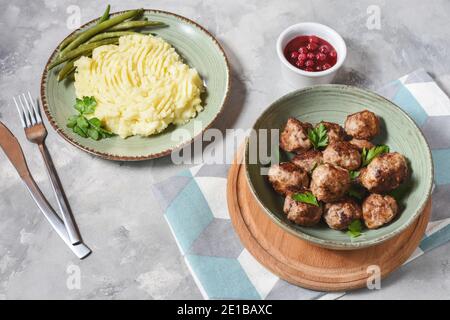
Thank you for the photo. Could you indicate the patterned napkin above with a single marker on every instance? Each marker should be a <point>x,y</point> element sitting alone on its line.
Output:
<point>194,204</point>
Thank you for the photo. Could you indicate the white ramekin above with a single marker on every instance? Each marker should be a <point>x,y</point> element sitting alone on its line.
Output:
<point>298,78</point>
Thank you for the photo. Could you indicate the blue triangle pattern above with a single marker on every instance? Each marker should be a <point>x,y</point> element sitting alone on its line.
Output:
<point>188,215</point>
<point>222,278</point>
<point>408,103</point>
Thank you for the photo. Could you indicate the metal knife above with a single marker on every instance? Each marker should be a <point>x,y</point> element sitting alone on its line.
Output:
<point>14,152</point>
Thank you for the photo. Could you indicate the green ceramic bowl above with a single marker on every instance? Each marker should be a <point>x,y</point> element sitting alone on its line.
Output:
<point>334,103</point>
<point>197,47</point>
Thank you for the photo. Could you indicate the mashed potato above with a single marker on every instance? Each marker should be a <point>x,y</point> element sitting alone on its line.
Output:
<point>141,85</point>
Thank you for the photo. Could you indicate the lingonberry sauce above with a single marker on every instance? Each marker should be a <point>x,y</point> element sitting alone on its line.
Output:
<point>310,53</point>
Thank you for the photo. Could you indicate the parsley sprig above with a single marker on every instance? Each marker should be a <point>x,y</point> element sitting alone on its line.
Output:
<point>368,155</point>
<point>87,127</point>
<point>318,136</point>
<point>354,174</point>
<point>306,197</point>
<point>355,193</point>
<point>355,228</point>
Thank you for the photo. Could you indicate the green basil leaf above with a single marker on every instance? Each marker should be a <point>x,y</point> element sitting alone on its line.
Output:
<point>93,133</point>
<point>86,105</point>
<point>87,127</point>
<point>89,105</point>
<point>352,234</point>
<point>306,197</point>
<point>368,155</point>
<point>79,105</point>
<point>95,122</point>
<point>82,123</point>
<point>106,133</point>
<point>355,228</point>
<point>318,136</point>
<point>79,131</point>
<point>72,121</point>
<point>354,174</point>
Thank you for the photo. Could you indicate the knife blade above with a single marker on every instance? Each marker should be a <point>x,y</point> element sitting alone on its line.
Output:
<point>13,151</point>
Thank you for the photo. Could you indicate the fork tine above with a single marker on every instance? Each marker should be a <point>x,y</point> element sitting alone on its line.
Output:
<point>36,110</point>
<point>26,114</point>
<point>30,111</point>
<point>21,115</point>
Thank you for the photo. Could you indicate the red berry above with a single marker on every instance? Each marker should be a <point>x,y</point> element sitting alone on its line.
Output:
<point>300,63</point>
<point>312,46</point>
<point>309,69</point>
<point>303,50</point>
<point>302,56</point>
<point>309,55</point>
<point>326,66</point>
<point>321,57</point>
<point>324,49</point>
<point>309,63</point>
<point>333,54</point>
<point>318,68</point>
<point>294,55</point>
<point>313,39</point>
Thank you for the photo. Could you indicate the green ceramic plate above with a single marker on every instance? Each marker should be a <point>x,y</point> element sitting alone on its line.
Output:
<point>197,47</point>
<point>334,103</point>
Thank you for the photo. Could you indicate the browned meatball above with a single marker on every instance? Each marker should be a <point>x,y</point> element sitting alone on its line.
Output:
<point>338,215</point>
<point>308,160</point>
<point>362,144</point>
<point>329,182</point>
<point>302,213</point>
<point>385,173</point>
<point>334,131</point>
<point>378,210</point>
<point>362,125</point>
<point>342,154</point>
<point>294,137</point>
<point>287,175</point>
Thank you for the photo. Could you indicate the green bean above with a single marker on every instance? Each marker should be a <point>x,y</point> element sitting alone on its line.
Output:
<point>138,17</point>
<point>73,36</point>
<point>112,40</point>
<point>86,35</point>
<point>82,50</point>
<point>135,25</point>
<point>106,35</point>
<point>70,73</point>
<point>66,70</point>
<point>126,26</point>
<point>68,40</point>
<point>105,15</point>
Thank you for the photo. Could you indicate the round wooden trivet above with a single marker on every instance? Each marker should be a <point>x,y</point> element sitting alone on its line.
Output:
<point>302,263</point>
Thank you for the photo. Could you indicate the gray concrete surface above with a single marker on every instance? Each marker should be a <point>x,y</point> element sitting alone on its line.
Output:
<point>135,256</point>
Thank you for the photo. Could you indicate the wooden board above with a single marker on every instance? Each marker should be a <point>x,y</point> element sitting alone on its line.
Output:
<point>302,263</point>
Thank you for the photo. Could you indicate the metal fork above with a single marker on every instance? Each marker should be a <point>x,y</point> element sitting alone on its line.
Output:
<point>35,132</point>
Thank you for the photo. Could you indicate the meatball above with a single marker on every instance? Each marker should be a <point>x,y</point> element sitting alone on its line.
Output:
<point>338,215</point>
<point>287,175</point>
<point>308,160</point>
<point>362,125</point>
<point>378,210</point>
<point>362,144</point>
<point>334,131</point>
<point>342,154</point>
<point>294,137</point>
<point>329,182</point>
<point>301,213</point>
<point>384,173</point>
